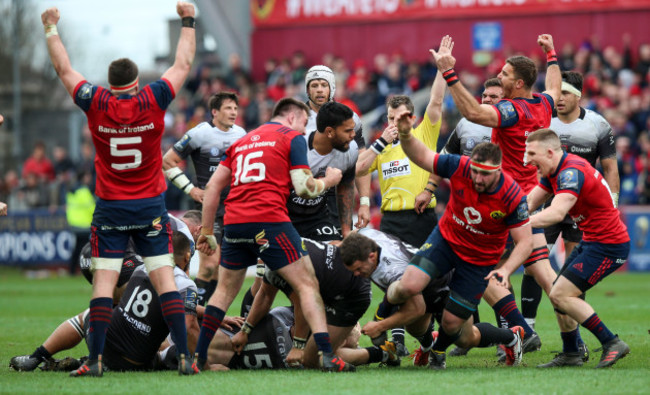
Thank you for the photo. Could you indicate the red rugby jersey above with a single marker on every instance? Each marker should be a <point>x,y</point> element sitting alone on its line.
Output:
<point>594,211</point>
<point>476,225</point>
<point>517,119</point>
<point>260,180</point>
<point>127,131</point>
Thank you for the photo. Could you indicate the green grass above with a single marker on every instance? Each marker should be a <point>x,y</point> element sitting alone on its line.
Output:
<point>31,309</point>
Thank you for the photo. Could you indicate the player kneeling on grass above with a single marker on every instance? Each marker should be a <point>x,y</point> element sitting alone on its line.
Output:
<point>137,326</point>
<point>383,258</point>
<point>346,298</point>
<point>582,192</point>
<point>485,205</point>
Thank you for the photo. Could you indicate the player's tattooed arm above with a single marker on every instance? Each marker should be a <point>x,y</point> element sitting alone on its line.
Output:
<point>345,205</point>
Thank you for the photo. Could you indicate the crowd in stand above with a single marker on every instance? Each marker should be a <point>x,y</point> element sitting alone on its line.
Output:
<point>617,85</point>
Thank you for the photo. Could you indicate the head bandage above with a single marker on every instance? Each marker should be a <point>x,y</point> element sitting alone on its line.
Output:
<point>479,166</point>
<point>126,87</point>
<point>320,72</point>
<point>566,87</point>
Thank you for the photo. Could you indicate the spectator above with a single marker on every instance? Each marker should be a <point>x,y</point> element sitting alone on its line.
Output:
<point>38,164</point>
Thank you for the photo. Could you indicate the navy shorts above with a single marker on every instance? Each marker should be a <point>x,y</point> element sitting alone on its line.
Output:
<point>436,258</point>
<point>276,243</point>
<point>144,220</point>
<point>590,262</point>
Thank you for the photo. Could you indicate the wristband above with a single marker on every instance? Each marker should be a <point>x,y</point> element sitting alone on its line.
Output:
<point>379,145</point>
<point>364,201</point>
<point>299,343</point>
<point>432,183</point>
<point>551,58</point>
<point>188,21</point>
<point>615,198</point>
<point>247,328</point>
<point>428,190</point>
<point>450,76</point>
<point>50,30</point>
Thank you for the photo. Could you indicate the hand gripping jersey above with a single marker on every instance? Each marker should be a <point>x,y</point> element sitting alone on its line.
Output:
<point>476,224</point>
<point>137,326</point>
<point>206,144</point>
<point>594,211</point>
<point>260,181</point>
<point>306,209</point>
<point>466,136</point>
<point>126,132</point>
<point>590,136</point>
<point>517,119</point>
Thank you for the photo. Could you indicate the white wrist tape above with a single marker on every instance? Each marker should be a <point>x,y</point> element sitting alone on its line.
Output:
<point>364,201</point>
<point>178,178</point>
<point>299,180</point>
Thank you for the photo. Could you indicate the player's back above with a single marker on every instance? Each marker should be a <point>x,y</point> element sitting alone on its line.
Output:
<point>127,132</point>
<point>260,183</point>
<point>531,115</point>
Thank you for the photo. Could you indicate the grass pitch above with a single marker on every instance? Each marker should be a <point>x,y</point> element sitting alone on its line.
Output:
<point>31,309</point>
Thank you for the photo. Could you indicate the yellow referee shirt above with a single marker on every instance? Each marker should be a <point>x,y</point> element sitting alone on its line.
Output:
<point>399,179</point>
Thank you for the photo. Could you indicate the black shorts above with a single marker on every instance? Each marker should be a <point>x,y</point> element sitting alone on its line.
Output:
<point>348,311</point>
<point>409,226</point>
<point>567,228</point>
<point>319,229</point>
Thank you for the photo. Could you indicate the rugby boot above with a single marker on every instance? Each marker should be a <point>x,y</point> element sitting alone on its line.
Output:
<point>514,352</point>
<point>25,363</point>
<point>531,343</point>
<point>390,348</point>
<point>332,363</point>
<point>402,351</point>
<point>438,360</point>
<point>421,357</point>
<point>564,359</point>
<point>501,353</point>
<point>92,368</point>
<point>613,350</point>
<point>66,364</point>
<point>584,351</point>
<point>187,366</point>
<point>458,352</point>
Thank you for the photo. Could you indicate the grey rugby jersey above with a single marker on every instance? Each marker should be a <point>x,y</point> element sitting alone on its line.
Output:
<point>394,257</point>
<point>358,127</point>
<point>206,144</point>
<point>345,161</point>
<point>466,136</point>
<point>590,136</point>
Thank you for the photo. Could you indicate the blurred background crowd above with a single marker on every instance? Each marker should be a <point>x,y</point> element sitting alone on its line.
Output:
<point>617,86</point>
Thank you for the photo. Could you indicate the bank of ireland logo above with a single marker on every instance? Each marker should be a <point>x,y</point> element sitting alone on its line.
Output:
<point>255,138</point>
<point>472,215</point>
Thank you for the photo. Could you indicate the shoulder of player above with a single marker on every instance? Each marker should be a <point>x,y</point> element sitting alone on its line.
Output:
<point>183,281</point>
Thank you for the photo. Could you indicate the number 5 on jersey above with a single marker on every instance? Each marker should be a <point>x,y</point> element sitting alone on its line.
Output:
<point>245,168</point>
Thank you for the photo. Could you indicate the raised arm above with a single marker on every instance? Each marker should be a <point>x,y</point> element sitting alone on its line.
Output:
<point>58,54</point>
<point>483,114</point>
<point>417,152</point>
<point>434,108</point>
<point>553,73</point>
<point>186,48</point>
